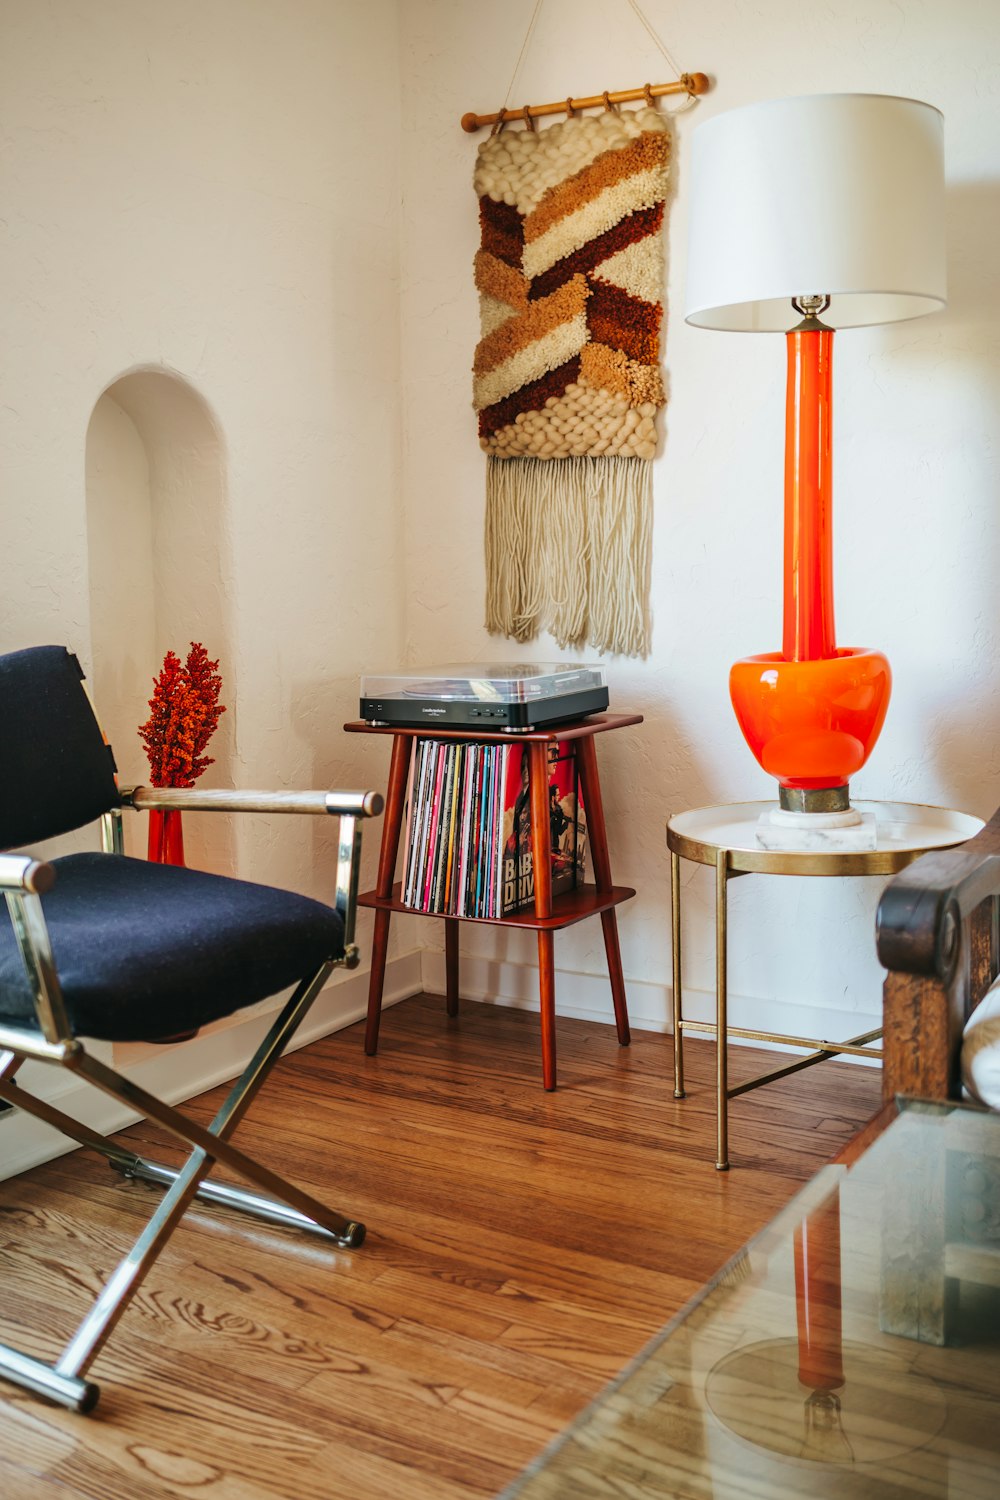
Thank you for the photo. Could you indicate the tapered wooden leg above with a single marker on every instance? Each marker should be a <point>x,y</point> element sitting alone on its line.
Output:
<point>402,745</point>
<point>590,786</point>
<point>609,922</point>
<point>541,862</point>
<point>451,966</point>
<point>547,997</point>
<point>376,979</point>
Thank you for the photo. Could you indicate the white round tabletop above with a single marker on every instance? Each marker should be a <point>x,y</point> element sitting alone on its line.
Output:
<point>905,831</point>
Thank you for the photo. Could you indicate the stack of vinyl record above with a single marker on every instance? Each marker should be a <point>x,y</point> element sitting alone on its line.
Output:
<point>468,848</point>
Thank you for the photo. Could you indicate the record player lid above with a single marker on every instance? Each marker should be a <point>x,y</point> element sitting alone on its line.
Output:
<point>486,682</point>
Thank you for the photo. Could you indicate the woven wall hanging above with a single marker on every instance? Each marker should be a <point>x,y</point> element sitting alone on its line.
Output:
<point>566,375</point>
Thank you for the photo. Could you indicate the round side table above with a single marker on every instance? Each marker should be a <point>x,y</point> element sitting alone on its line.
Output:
<point>725,837</point>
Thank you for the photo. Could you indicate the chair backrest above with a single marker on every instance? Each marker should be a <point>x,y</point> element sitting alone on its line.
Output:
<point>57,771</point>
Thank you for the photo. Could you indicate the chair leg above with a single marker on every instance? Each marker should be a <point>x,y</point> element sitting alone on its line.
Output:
<point>20,1098</point>
<point>63,1381</point>
<point>93,1332</point>
<point>347,1232</point>
<point>256,1204</point>
<point>35,1375</point>
<point>141,1168</point>
<point>213,1140</point>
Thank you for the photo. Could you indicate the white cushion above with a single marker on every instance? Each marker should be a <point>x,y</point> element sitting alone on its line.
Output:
<point>981,1049</point>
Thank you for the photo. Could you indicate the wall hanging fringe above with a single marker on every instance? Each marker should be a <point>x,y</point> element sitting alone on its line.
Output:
<point>568,549</point>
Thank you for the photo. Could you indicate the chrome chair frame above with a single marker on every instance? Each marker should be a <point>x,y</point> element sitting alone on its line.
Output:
<point>23,882</point>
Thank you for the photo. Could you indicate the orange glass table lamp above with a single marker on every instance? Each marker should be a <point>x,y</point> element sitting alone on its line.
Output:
<point>808,215</point>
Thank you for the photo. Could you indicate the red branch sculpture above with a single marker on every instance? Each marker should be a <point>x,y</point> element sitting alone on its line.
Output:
<point>185,710</point>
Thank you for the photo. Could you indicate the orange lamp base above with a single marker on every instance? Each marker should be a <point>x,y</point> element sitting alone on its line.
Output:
<point>812,724</point>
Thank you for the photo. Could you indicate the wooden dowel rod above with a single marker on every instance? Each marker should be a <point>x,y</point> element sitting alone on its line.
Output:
<point>688,83</point>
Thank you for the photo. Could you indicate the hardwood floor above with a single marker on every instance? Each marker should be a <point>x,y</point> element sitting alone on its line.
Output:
<point>522,1246</point>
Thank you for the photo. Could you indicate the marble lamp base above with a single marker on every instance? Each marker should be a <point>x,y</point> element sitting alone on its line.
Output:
<point>825,832</point>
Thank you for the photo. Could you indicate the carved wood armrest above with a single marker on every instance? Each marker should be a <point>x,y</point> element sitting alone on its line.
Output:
<point>935,937</point>
<point>922,908</point>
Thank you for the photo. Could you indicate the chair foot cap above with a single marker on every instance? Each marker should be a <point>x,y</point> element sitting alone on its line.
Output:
<point>89,1399</point>
<point>353,1236</point>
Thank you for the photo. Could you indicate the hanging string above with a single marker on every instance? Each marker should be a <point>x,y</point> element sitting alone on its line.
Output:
<point>524,47</point>
<point>643,21</point>
<point>639,15</point>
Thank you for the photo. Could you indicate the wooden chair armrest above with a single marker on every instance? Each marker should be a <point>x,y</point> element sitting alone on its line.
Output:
<point>935,936</point>
<point>922,908</point>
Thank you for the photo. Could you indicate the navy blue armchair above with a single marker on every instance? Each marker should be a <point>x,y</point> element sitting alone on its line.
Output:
<point>99,945</point>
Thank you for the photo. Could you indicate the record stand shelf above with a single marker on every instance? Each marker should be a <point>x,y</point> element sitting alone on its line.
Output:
<point>550,913</point>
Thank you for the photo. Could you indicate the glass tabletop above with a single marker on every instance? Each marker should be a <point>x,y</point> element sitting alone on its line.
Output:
<point>813,1364</point>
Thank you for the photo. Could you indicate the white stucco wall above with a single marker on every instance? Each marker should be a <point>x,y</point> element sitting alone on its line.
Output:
<point>212,191</point>
<point>916,476</point>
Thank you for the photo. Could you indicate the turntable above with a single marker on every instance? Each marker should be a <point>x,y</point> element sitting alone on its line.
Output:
<point>484,696</point>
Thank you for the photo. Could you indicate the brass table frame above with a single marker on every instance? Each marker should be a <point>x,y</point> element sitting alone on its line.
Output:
<point>729,863</point>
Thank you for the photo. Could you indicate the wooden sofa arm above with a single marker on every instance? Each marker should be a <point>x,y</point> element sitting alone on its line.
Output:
<point>935,936</point>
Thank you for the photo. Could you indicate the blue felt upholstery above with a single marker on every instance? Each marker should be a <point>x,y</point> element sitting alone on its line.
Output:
<point>148,951</point>
<point>56,771</point>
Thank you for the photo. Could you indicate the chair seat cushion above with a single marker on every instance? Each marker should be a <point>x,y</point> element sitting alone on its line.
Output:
<point>147,951</point>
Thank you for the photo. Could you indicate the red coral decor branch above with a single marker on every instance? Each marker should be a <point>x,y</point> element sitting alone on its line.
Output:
<point>184,713</point>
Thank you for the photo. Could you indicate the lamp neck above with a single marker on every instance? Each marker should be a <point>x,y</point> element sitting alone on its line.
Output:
<point>809,633</point>
<point>811,324</point>
<point>810,307</point>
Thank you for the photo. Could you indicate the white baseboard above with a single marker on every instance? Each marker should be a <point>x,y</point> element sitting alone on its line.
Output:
<point>650,1006</point>
<point>180,1072</point>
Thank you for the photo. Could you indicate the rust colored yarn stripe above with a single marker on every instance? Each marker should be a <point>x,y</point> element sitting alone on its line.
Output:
<point>628,231</point>
<point>611,167</point>
<point>624,322</point>
<point>528,326</point>
<point>528,398</point>
<point>502,231</point>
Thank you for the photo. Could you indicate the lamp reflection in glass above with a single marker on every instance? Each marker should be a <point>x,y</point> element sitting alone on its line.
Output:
<point>820,1343</point>
<point>808,215</point>
<point>818,1399</point>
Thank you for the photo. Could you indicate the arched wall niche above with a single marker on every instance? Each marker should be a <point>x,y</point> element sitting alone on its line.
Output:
<point>159,556</point>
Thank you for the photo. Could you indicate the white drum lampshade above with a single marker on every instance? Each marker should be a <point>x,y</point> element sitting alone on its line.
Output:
<point>834,194</point>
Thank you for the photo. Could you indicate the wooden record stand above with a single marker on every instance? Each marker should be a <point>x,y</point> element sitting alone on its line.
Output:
<point>550,913</point>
